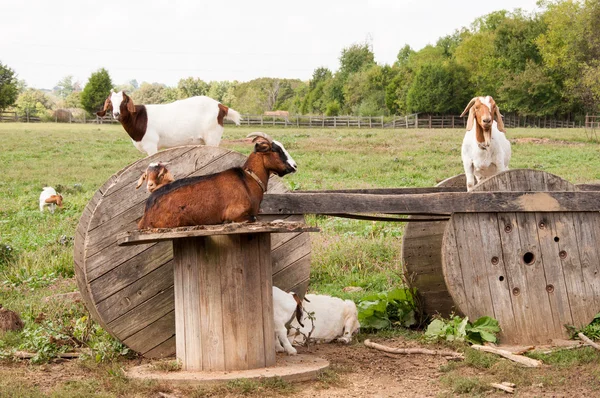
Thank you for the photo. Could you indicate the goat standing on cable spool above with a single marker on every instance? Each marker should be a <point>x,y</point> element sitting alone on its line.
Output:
<point>485,149</point>
<point>233,195</point>
<point>189,121</point>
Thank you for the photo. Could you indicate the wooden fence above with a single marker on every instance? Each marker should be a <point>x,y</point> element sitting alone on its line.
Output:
<point>409,121</point>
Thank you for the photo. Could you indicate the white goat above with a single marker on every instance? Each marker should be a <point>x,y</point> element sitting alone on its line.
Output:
<point>49,198</point>
<point>188,121</point>
<point>286,306</point>
<point>485,149</point>
<point>334,319</point>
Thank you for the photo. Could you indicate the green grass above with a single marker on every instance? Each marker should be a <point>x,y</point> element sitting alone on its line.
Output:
<point>77,159</point>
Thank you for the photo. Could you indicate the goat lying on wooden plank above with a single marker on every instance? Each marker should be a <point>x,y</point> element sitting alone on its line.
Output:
<point>233,195</point>
<point>156,175</point>
<point>188,121</point>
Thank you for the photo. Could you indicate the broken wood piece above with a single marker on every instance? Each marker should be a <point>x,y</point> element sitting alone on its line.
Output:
<point>507,384</point>
<point>407,351</point>
<point>503,387</point>
<point>29,355</point>
<point>589,342</point>
<point>525,361</point>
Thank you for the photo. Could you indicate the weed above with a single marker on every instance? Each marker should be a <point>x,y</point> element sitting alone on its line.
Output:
<point>167,366</point>
<point>465,384</point>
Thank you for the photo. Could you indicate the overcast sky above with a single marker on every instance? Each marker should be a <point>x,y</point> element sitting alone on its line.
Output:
<point>164,41</point>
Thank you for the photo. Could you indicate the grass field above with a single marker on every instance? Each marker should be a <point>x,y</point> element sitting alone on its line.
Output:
<point>36,248</point>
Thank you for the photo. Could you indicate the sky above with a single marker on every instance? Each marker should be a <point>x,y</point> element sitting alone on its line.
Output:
<point>164,41</point>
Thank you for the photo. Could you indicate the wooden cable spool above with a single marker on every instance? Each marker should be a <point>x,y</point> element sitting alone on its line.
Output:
<point>533,272</point>
<point>129,289</point>
<point>422,259</point>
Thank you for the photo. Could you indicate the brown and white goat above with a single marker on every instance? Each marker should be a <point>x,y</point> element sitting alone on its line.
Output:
<point>189,121</point>
<point>49,198</point>
<point>157,175</point>
<point>485,149</point>
<point>233,195</point>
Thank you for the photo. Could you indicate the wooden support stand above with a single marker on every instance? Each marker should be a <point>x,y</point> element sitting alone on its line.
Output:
<point>223,293</point>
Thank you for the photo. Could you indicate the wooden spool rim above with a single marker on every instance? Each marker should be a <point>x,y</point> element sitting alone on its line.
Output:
<point>132,298</point>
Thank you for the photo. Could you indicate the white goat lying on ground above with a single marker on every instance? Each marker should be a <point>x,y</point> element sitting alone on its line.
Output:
<point>485,149</point>
<point>49,198</point>
<point>334,319</point>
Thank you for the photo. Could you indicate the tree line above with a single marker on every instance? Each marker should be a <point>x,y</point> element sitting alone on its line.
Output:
<point>544,63</point>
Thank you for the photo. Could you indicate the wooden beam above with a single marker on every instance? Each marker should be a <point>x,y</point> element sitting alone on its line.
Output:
<point>393,191</point>
<point>160,234</point>
<point>438,203</point>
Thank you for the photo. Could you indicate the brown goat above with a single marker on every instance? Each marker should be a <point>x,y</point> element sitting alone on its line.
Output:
<point>157,176</point>
<point>233,195</point>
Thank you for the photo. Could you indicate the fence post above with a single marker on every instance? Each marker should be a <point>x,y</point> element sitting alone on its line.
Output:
<point>430,120</point>
<point>297,121</point>
<point>416,120</point>
<point>335,121</point>
<point>406,120</point>
<point>381,121</point>
<point>359,122</point>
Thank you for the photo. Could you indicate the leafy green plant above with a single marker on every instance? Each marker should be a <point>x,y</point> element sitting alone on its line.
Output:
<point>460,329</point>
<point>384,310</point>
<point>592,330</point>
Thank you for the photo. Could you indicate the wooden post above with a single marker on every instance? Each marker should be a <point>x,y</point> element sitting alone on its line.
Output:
<point>430,120</point>
<point>224,302</point>
<point>416,120</point>
<point>381,121</point>
<point>335,121</point>
<point>406,120</point>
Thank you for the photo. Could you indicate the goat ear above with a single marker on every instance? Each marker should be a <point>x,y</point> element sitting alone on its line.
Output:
<point>101,113</point>
<point>130,104</point>
<point>141,180</point>
<point>107,104</point>
<point>470,119</point>
<point>499,120</point>
<point>262,146</point>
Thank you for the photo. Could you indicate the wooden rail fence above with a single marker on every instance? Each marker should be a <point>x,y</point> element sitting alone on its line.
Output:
<point>409,121</point>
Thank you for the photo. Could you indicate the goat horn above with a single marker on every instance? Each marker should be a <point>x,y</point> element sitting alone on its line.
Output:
<point>260,134</point>
<point>468,106</point>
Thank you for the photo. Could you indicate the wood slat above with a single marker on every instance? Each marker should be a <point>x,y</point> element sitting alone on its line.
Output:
<point>161,330</point>
<point>439,203</point>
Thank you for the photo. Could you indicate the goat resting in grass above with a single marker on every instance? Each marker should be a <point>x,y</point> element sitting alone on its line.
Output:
<point>485,148</point>
<point>233,195</point>
<point>334,319</point>
<point>189,121</point>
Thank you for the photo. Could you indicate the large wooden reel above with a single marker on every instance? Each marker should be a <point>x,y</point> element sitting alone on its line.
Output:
<point>129,289</point>
<point>422,259</point>
<point>533,272</point>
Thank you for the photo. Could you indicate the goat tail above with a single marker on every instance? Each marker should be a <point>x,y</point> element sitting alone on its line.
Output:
<point>299,310</point>
<point>234,116</point>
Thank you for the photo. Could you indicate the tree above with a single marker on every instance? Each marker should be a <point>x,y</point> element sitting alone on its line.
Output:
<point>154,93</point>
<point>96,90</point>
<point>9,87</point>
<point>190,87</point>
<point>65,87</point>
<point>33,102</point>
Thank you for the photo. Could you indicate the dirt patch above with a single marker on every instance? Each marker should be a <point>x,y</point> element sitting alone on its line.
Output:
<point>544,141</point>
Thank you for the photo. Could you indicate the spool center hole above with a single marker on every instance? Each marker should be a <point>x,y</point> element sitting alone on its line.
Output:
<point>501,278</point>
<point>556,238</point>
<point>529,258</point>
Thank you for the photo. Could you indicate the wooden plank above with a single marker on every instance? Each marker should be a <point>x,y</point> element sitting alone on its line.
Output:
<point>438,203</point>
<point>210,305</point>
<point>296,248</point>
<point>193,291</point>
<point>131,270</point>
<point>586,225</point>
<point>535,277</point>
<point>160,330</point>
<point>161,234</point>
<point>394,191</point>
<point>234,292</point>
<point>571,267</point>
<point>286,278</point>
<point>452,269</point>
<point>266,272</point>
<point>134,294</point>
<point>179,302</point>
<point>106,260</point>
<point>556,287</point>
<point>253,306</point>
<point>162,350</point>
<point>143,315</point>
